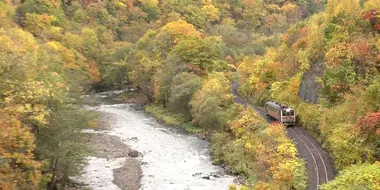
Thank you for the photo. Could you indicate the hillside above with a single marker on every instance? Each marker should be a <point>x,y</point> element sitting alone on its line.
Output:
<point>320,57</point>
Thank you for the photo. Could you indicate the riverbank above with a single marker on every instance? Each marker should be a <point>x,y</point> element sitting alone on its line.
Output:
<point>171,119</point>
<point>161,114</point>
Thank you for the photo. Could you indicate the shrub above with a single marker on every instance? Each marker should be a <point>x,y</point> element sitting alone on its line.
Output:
<point>360,176</point>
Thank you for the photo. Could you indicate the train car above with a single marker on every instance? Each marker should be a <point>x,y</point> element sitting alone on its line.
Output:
<point>281,113</point>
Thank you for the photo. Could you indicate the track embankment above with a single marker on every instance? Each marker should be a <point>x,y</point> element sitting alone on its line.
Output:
<point>320,167</point>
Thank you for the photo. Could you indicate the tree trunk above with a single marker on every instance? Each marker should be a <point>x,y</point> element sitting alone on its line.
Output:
<point>52,183</point>
<point>147,92</point>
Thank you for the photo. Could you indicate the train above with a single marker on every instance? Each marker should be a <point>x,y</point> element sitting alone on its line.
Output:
<point>282,113</point>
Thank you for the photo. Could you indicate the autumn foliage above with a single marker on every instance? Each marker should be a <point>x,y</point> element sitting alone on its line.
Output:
<point>18,165</point>
<point>370,124</point>
<point>373,16</point>
<point>332,58</point>
<point>262,150</point>
<point>179,54</point>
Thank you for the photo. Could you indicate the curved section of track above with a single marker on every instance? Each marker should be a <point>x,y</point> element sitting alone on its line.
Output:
<point>320,168</point>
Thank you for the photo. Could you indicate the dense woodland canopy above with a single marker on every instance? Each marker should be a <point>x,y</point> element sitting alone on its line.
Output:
<point>321,57</point>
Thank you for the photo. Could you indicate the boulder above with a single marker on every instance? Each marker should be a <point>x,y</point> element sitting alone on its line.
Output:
<point>133,154</point>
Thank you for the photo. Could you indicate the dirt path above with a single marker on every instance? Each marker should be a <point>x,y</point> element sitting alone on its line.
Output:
<point>320,167</point>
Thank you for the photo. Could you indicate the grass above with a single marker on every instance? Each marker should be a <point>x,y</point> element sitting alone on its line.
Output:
<point>174,119</point>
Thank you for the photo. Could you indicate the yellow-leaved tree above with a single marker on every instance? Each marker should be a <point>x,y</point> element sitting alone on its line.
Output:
<point>210,105</point>
<point>22,109</point>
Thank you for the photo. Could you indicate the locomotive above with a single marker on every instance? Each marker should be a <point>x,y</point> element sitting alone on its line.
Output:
<point>282,113</point>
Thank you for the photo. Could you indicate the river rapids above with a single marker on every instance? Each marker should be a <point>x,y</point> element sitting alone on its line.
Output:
<point>171,158</point>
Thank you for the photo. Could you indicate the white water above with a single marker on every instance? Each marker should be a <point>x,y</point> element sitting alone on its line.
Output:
<point>174,160</point>
<point>99,173</point>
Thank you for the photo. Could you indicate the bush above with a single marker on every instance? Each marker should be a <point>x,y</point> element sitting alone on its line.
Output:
<point>346,148</point>
<point>360,176</point>
<point>310,116</point>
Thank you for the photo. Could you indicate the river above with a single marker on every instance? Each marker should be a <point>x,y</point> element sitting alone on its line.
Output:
<point>172,159</point>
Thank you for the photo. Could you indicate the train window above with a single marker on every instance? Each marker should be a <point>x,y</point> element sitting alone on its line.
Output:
<point>290,113</point>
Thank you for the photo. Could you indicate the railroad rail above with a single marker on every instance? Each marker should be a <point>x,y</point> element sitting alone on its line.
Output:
<point>316,165</point>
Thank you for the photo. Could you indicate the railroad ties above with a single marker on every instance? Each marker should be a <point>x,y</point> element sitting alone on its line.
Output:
<point>318,163</point>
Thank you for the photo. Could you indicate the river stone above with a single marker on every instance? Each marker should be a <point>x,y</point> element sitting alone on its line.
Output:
<point>133,154</point>
<point>206,177</point>
<point>197,174</point>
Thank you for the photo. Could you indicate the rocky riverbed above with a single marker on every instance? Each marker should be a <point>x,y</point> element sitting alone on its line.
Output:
<point>134,151</point>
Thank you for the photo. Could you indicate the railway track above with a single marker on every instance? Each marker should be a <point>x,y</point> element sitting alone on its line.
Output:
<point>320,168</point>
<point>318,164</point>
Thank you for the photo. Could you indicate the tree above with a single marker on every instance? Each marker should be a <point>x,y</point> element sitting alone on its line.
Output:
<point>151,7</point>
<point>337,82</point>
<point>61,144</point>
<point>35,75</point>
<point>334,7</point>
<point>211,13</point>
<point>372,4</point>
<point>249,121</point>
<point>91,42</point>
<point>183,86</point>
<point>189,11</point>
<point>41,7</point>
<point>180,30</point>
<point>212,103</point>
<point>93,72</point>
<point>368,128</point>
<point>292,12</point>
<point>231,36</point>
<point>39,25</point>
<point>143,63</point>
<point>18,167</point>
<point>202,54</point>
<point>373,16</point>
<point>251,18</point>
<point>22,109</point>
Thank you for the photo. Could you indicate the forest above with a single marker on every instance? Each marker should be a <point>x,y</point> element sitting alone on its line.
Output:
<point>320,57</point>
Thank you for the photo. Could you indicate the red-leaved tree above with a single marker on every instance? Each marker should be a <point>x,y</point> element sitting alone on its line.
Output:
<point>369,128</point>
<point>373,16</point>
